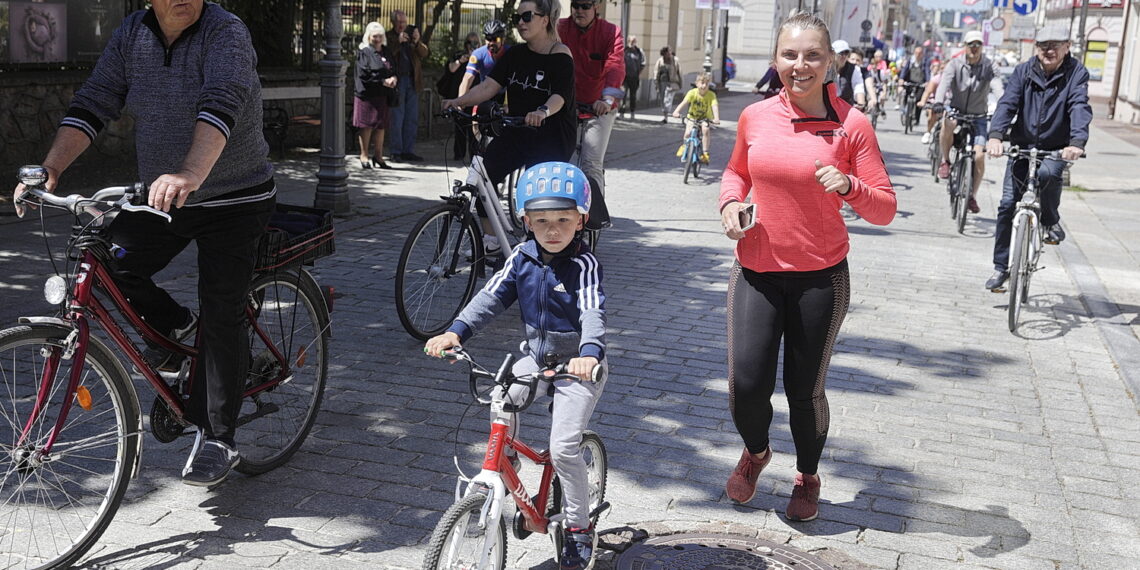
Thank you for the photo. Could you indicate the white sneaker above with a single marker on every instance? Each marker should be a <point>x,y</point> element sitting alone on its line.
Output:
<point>491,245</point>
<point>926,138</point>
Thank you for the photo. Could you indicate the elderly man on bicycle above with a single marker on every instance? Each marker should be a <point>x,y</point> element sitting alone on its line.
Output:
<point>1048,96</point>
<point>599,71</point>
<point>187,71</point>
<point>965,86</point>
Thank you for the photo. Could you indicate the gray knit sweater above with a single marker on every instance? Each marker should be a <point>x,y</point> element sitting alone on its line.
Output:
<point>208,74</point>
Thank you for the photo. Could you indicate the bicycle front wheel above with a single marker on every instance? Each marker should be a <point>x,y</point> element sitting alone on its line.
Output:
<point>54,507</point>
<point>690,158</point>
<point>1019,267</point>
<point>459,542</point>
<point>289,364</point>
<point>965,177</point>
<point>441,260</point>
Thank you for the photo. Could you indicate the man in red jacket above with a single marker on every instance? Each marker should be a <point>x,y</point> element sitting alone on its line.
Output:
<point>599,70</point>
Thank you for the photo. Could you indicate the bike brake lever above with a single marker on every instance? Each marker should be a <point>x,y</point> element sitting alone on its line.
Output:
<point>132,208</point>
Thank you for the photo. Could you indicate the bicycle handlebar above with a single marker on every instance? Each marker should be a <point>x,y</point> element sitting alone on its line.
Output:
<point>1035,153</point>
<point>128,198</point>
<point>504,378</point>
<point>953,113</point>
<point>457,114</point>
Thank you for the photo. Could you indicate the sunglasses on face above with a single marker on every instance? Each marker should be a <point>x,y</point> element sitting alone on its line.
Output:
<point>974,44</point>
<point>1047,46</point>
<point>582,5</point>
<point>525,16</point>
<point>492,38</point>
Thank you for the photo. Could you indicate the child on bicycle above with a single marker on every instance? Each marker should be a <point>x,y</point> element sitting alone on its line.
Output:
<point>558,283</point>
<point>702,104</point>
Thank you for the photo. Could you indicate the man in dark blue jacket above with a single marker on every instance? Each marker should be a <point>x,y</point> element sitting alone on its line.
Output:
<point>1049,98</point>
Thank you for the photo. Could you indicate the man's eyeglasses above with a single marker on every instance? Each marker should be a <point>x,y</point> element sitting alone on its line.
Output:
<point>525,16</point>
<point>974,44</point>
<point>492,38</point>
<point>1048,46</point>
<point>581,5</point>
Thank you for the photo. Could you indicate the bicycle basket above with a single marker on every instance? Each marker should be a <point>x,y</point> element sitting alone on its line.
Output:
<point>295,235</point>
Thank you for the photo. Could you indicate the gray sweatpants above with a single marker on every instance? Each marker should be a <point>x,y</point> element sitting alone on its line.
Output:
<point>595,141</point>
<point>574,403</point>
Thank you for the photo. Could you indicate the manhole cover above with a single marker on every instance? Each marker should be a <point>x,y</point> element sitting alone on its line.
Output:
<point>715,551</point>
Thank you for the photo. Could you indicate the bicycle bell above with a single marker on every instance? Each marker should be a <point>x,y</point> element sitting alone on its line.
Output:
<point>32,175</point>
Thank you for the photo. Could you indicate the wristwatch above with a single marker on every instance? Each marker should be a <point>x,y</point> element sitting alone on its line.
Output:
<point>545,110</point>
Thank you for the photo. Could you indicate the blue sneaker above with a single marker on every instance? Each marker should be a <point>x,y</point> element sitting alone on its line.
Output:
<point>577,548</point>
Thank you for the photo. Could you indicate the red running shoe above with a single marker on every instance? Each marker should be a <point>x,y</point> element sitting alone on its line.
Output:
<point>804,505</point>
<point>741,486</point>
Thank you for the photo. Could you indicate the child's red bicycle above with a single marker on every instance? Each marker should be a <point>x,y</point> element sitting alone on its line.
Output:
<point>472,532</point>
<point>70,421</point>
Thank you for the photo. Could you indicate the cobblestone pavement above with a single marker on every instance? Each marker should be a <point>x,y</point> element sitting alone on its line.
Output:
<point>953,443</point>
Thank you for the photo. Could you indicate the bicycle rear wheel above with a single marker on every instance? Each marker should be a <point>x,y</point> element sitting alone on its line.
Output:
<point>289,365</point>
<point>459,542</point>
<point>597,467</point>
<point>54,509</point>
<point>1019,267</point>
<point>509,186</point>
<point>439,265</point>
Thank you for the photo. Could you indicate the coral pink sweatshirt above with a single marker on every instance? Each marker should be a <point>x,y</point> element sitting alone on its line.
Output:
<point>799,226</point>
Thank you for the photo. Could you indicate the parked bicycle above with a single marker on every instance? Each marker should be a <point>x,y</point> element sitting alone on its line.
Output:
<point>1028,238</point>
<point>444,255</point>
<point>71,425</point>
<point>472,532</point>
<point>694,147</point>
<point>961,182</point>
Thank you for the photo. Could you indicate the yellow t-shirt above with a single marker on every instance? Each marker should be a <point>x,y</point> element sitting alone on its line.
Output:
<point>700,107</point>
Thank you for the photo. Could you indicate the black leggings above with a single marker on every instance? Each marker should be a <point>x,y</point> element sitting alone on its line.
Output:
<point>805,309</point>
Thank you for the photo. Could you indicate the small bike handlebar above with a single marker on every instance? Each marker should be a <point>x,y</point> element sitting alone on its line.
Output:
<point>504,379</point>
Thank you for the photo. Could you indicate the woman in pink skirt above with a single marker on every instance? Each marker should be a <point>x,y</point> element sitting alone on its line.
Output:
<point>374,78</point>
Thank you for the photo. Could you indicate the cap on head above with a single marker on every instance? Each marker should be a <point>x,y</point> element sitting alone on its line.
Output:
<point>840,46</point>
<point>1052,33</point>
<point>553,186</point>
<point>972,36</point>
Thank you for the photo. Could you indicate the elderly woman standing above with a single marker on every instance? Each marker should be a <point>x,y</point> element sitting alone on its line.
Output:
<point>374,77</point>
<point>799,157</point>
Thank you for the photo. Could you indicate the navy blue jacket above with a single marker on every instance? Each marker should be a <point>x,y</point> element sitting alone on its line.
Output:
<point>1051,112</point>
<point>562,303</point>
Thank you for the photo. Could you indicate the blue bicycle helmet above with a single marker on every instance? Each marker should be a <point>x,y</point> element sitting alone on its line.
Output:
<point>553,186</point>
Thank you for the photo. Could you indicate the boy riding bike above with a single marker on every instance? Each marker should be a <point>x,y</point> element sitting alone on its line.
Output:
<point>702,105</point>
<point>558,283</point>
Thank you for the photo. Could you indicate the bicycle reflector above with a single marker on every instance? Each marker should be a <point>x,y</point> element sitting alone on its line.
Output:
<point>55,289</point>
<point>83,397</point>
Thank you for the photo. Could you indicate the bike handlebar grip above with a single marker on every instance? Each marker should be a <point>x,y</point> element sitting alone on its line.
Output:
<point>139,194</point>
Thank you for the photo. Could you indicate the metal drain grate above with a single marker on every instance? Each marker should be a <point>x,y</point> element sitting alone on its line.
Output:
<point>715,551</point>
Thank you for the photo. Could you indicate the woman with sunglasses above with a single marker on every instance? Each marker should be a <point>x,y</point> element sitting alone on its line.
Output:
<point>539,78</point>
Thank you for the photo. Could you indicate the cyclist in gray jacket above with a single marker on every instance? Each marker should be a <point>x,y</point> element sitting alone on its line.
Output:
<point>968,80</point>
<point>187,73</point>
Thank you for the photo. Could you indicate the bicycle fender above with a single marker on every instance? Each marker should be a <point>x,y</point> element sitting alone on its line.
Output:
<point>44,321</point>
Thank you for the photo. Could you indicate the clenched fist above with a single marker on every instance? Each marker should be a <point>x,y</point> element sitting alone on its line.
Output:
<point>832,179</point>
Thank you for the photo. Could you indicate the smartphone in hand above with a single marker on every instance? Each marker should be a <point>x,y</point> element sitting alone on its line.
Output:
<point>747,217</point>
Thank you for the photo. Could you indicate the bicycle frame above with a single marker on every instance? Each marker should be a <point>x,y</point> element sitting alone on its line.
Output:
<point>477,176</point>
<point>84,307</point>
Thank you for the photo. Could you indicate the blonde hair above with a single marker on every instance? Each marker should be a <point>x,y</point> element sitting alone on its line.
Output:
<point>370,30</point>
<point>703,76</point>
<point>803,21</point>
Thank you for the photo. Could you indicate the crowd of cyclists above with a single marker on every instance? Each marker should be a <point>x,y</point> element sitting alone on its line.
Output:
<point>1042,103</point>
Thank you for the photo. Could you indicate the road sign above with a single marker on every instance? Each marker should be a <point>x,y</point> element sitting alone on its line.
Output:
<point>1024,7</point>
<point>866,25</point>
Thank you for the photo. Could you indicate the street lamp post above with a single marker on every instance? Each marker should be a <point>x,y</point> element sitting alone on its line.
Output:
<point>332,192</point>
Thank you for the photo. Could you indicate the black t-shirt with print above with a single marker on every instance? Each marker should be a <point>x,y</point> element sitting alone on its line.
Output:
<point>531,78</point>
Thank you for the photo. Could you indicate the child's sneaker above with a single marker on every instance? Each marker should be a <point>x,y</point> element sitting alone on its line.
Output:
<point>804,505</point>
<point>577,548</point>
<point>704,158</point>
<point>681,150</point>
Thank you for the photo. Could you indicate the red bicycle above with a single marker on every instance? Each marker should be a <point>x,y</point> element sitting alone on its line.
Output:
<point>472,532</point>
<point>70,420</point>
